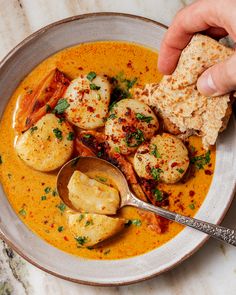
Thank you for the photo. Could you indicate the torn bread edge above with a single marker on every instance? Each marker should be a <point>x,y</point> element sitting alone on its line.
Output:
<point>176,98</point>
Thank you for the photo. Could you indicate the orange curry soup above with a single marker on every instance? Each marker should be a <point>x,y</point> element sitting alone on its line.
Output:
<point>26,188</point>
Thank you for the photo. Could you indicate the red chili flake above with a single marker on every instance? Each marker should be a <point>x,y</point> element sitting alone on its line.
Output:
<point>23,177</point>
<point>180,194</point>
<point>210,165</point>
<point>52,225</point>
<point>65,238</point>
<point>147,68</point>
<point>208,172</point>
<point>191,193</point>
<point>43,183</point>
<point>129,64</point>
<point>174,164</point>
<point>90,109</point>
<point>80,68</point>
<point>45,222</point>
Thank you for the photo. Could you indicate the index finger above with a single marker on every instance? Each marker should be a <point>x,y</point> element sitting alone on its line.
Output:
<point>197,17</point>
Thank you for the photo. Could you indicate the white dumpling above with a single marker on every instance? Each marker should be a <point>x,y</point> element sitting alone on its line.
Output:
<point>164,159</point>
<point>89,195</point>
<point>129,124</point>
<point>47,145</point>
<point>89,101</point>
<point>90,229</point>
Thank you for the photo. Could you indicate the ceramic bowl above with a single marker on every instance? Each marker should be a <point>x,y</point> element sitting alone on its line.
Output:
<point>17,64</point>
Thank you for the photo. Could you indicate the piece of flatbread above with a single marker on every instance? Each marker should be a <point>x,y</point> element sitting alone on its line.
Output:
<point>176,97</point>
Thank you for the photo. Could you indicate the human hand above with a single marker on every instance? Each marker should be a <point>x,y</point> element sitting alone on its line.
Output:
<point>218,19</point>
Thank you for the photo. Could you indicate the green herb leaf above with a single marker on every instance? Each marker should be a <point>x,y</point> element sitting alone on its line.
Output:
<point>32,129</point>
<point>134,139</point>
<point>91,76</point>
<point>107,252</point>
<point>155,172</point>
<point>47,190</point>
<point>89,222</point>
<point>202,160</point>
<point>155,152</point>
<point>102,179</point>
<point>58,133</point>
<point>54,193</point>
<point>48,108</point>
<point>43,198</point>
<point>60,228</point>
<point>60,120</point>
<point>94,86</point>
<point>158,195</point>
<point>71,136</point>
<point>86,135</point>
<point>61,106</point>
<point>112,116</point>
<point>144,118</point>
<point>117,149</point>
<point>81,217</point>
<point>61,207</point>
<point>130,83</point>
<point>1,160</point>
<point>112,106</point>
<point>180,170</point>
<point>81,240</point>
<point>191,206</point>
<point>22,212</point>
<point>137,222</point>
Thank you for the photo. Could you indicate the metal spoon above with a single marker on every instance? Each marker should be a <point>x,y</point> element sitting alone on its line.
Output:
<point>88,164</point>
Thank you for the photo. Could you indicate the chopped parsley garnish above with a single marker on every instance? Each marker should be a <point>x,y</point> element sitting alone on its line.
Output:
<point>32,129</point>
<point>121,86</point>
<point>137,222</point>
<point>155,152</point>
<point>99,96</point>
<point>58,133</point>
<point>201,161</point>
<point>43,198</point>
<point>155,172</point>
<point>112,106</point>
<point>61,207</point>
<point>1,160</point>
<point>180,170</point>
<point>54,193</point>
<point>94,86</point>
<point>22,212</point>
<point>89,222</point>
<point>61,106</point>
<point>112,116</point>
<point>81,240</point>
<point>71,136</point>
<point>158,195</point>
<point>60,228</point>
<point>99,154</point>
<point>191,206</point>
<point>117,149</point>
<point>91,76</point>
<point>86,135</point>
<point>47,190</point>
<point>144,118</point>
<point>48,108</point>
<point>102,179</point>
<point>60,120</point>
<point>81,217</point>
<point>134,139</point>
<point>107,252</point>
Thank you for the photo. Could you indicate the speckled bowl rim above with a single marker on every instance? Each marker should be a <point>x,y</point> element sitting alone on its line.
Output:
<point>18,250</point>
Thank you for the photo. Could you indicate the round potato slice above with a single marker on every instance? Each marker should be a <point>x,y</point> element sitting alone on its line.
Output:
<point>129,124</point>
<point>164,159</point>
<point>89,101</point>
<point>47,145</point>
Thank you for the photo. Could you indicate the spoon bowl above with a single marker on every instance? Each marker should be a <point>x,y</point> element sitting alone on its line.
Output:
<point>89,164</point>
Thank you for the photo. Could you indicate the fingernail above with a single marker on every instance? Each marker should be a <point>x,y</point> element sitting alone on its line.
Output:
<point>206,85</point>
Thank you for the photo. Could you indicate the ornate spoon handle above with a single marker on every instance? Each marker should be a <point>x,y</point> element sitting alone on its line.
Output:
<point>221,233</point>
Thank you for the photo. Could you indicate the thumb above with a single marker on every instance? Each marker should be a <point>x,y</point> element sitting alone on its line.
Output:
<point>218,79</point>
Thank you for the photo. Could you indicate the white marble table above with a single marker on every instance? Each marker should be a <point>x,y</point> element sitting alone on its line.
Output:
<point>211,271</point>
